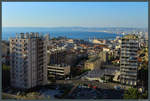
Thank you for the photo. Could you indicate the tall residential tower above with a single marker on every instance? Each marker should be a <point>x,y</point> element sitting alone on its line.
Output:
<point>128,60</point>
<point>28,60</point>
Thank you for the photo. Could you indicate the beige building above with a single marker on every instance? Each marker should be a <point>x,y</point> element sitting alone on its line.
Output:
<point>28,60</point>
<point>93,63</point>
<point>58,71</point>
<point>103,56</point>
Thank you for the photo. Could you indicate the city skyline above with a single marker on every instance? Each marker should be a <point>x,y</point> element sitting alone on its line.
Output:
<point>74,50</point>
<point>99,68</point>
<point>68,14</point>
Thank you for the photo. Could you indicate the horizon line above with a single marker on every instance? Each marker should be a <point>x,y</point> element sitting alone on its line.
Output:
<point>67,27</point>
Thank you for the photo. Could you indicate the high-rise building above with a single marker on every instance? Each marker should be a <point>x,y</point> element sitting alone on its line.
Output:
<point>129,62</point>
<point>28,60</point>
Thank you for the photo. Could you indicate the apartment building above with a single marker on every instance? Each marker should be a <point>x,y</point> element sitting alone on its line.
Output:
<point>129,62</point>
<point>93,63</point>
<point>56,56</point>
<point>58,71</point>
<point>28,60</point>
<point>103,56</point>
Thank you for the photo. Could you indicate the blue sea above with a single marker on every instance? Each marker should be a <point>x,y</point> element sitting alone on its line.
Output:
<point>85,35</point>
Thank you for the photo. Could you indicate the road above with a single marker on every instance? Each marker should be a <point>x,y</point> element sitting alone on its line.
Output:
<point>94,83</point>
<point>108,85</point>
<point>79,77</point>
<point>73,89</point>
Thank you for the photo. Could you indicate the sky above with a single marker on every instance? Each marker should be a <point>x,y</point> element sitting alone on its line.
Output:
<point>68,14</point>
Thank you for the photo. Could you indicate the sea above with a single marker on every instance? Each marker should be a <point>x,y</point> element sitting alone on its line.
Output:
<point>84,35</point>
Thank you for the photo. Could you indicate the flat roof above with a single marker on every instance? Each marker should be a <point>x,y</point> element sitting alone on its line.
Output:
<point>130,36</point>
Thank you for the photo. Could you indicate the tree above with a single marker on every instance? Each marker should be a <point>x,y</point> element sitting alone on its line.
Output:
<point>144,95</point>
<point>132,93</point>
<point>103,78</point>
<point>5,75</point>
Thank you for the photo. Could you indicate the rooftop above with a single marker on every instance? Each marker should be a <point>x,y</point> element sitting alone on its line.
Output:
<point>29,35</point>
<point>92,59</point>
<point>130,36</point>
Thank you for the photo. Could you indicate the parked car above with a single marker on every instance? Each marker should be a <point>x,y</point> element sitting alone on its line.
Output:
<point>117,87</point>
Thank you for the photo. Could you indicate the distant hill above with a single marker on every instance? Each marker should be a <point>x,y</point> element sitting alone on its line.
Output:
<point>84,29</point>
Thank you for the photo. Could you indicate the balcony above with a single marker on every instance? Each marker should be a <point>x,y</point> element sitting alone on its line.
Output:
<point>40,55</point>
<point>129,73</point>
<point>128,77</point>
<point>124,55</point>
<point>127,66</point>
<point>129,52</point>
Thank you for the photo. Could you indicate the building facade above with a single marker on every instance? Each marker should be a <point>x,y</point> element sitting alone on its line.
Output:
<point>103,56</point>
<point>58,71</point>
<point>56,57</point>
<point>93,63</point>
<point>28,60</point>
<point>128,60</point>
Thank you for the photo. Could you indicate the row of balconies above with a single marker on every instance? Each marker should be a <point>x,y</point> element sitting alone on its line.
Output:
<point>128,66</point>
<point>128,77</point>
<point>129,46</point>
<point>126,47</point>
<point>129,82</point>
<point>129,73</point>
<point>128,52</point>
<point>128,60</point>
<point>127,63</point>
<point>40,55</point>
<point>128,70</point>
<point>41,50</point>
<point>125,55</point>
<point>56,73</point>
<point>56,70</point>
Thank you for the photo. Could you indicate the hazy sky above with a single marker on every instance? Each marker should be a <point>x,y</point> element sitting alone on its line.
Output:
<point>86,14</point>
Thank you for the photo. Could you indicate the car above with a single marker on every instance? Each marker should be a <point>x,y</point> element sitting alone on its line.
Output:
<point>94,87</point>
<point>117,87</point>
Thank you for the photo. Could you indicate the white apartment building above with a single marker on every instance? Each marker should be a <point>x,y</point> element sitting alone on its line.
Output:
<point>128,60</point>
<point>28,60</point>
